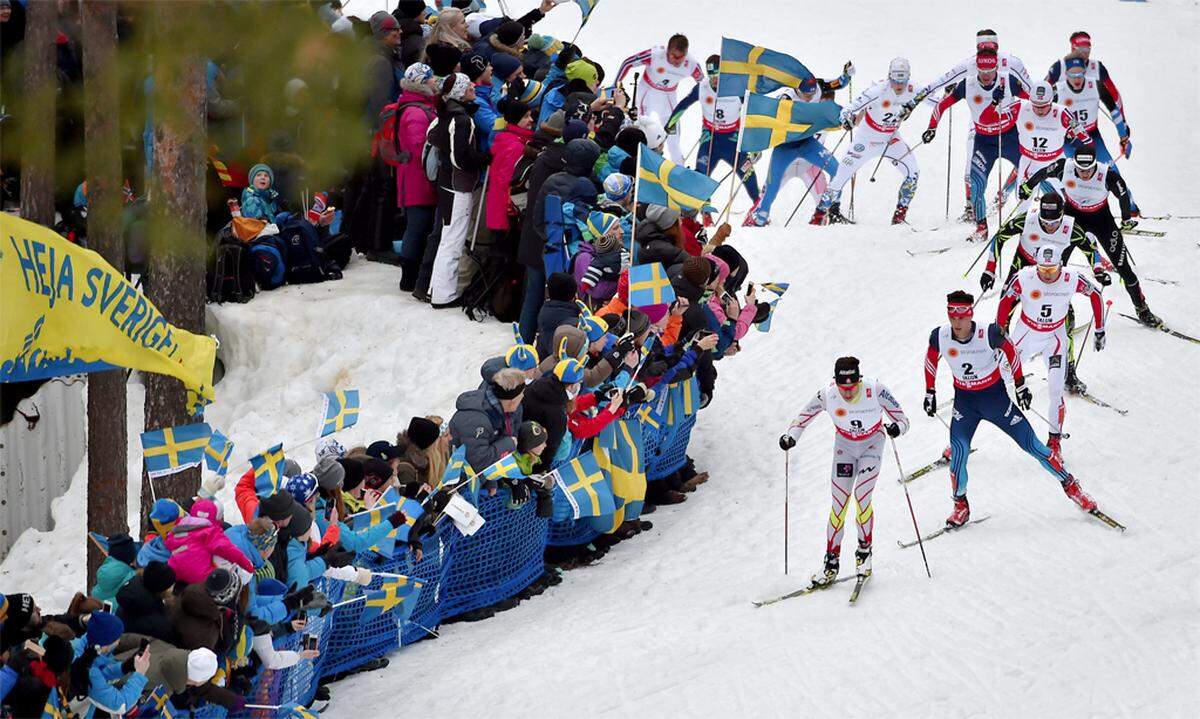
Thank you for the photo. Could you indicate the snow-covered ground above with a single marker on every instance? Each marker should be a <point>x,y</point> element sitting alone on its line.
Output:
<point>1039,612</point>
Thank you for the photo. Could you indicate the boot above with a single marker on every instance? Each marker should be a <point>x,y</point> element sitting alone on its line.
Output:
<point>968,214</point>
<point>862,560</point>
<point>946,454</point>
<point>1073,384</point>
<point>830,572</point>
<point>818,217</point>
<point>961,513</point>
<point>1054,442</point>
<point>1146,317</point>
<point>899,214</point>
<point>756,218</point>
<point>1077,495</point>
<point>835,216</point>
<point>981,232</point>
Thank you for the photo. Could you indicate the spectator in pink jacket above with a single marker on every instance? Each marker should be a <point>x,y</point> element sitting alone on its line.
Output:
<point>196,539</point>
<point>414,192</point>
<point>507,148</point>
<point>725,307</point>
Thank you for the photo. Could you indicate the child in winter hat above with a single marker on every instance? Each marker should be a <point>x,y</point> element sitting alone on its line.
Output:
<point>618,189</point>
<point>458,87</point>
<point>201,666</point>
<point>259,199</point>
<point>606,240</point>
<point>104,629</point>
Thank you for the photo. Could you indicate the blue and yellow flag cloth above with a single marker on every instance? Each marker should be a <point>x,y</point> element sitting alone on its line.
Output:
<point>586,487</point>
<point>662,182</point>
<point>778,288</point>
<point>174,449</point>
<point>586,7</point>
<point>67,311</point>
<point>293,710</point>
<point>156,704</point>
<point>456,466</point>
<point>772,121</point>
<point>54,708</point>
<point>649,285</point>
<point>504,468</point>
<point>341,411</point>
<point>268,471</point>
<point>757,69</point>
<point>216,454</point>
<point>371,518</point>
<point>396,592</point>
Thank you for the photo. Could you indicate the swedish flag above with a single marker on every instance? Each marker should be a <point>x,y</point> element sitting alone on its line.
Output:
<point>586,7</point>
<point>157,704</point>
<point>662,182</point>
<point>649,285</point>
<point>216,454</point>
<point>296,711</point>
<point>399,592</point>
<point>772,121</point>
<point>778,288</point>
<point>268,470</point>
<point>54,708</point>
<point>757,69</point>
<point>341,411</point>
<point>586,487</point>
<point>174,449</point>
<point>363,521</point>
<point>618,451</point>
<point>455,466</point>
<point>505,468</point>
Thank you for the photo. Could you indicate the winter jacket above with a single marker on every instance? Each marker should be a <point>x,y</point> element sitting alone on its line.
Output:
<point>482,425</point>
<point>461,160</point>
<point>583,425</point>
<point>599,276</point>
<point>553,96</point>
<point>507,148</point>
<point>486,113</point>
<point>577,346</point>
<point>153,550</point>
<point>260,204</point>
<point>610,162</point>
<point>551,160</point>
<point>554,314</point>
<point>8,680</point>
<point>546,403</point>
<point>654,245</point>
<point>573,184</point>
<point>193,544</point>
<point>413,189</point>
<point>382,87</point>
<point>143,612</point>
<point>168,667</point>
<point>104,694</point>
<point>26,694</point>
<point>245,495</point>
<point>300,569</point>
<point>196,618</point>
<point>110,577</point>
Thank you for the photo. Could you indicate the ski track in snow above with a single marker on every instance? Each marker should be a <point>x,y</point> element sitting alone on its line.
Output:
<point>1042,611</point>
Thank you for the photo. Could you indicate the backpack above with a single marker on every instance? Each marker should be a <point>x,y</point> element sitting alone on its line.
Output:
<point>386,143</point>
<point>430,155</point>
<point>304,255</point>
<point>267,261</point>
<point>230,274</point>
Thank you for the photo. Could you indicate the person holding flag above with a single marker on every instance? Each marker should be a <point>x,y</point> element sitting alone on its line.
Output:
<point>665,67</point>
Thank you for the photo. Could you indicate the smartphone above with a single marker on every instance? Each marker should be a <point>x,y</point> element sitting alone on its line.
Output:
<point>108,606</point>
<point>311,642</point>
<point>32,646</point>
<point>143,646</point>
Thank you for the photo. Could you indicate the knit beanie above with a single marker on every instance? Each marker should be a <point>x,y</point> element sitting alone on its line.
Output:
<point>593,326</point>
<point>504,66</point>
<point>158,577</point>
<point>354,473</point>
<point>223,586</point>
<point>510,33</point>
<point>378,469</point>
<point>442,58</point>
<point>574,130</point>
<point>122,548</point>
<point>104,629</point>
<point>473,65</point>
<point>302,487</point>
<point>423,432</point>
<point>561,286</point>
<point>277,507</point>
<point>261,167</point>
<point>662,217</point>
<point>529,436</point>
<point>457,89</point>
<point>655,313</point>
<point>604,228</point>
<point>554,124</point>
<point>264,542</point>
<point>583,70</point>
<point>20,609</point>
<point>418,72</point>
<point>201,665</point>
<point>515,111</point>
<point>381,23</point>
<point>410,8</point>
<point>569,371</point>
<point>291,467</point>
<point>59,654</point>
<point>382,449</point>
<point>329,474</point>
<point>697,270</point>
<point>617,187</point>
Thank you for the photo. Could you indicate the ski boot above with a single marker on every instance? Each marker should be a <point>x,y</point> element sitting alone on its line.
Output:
<point>968,213</point>
<point>899,214</point>
<point>818,217</point>
<point>834,215</point>
<point>862,560</point>
<point>1078,496</point>
<point>830,572</point>
<point>1073,384</point>
<point>1146,317</point>
<point>961,513</point>
<point>756,218</point>
<point>946,454</point>
<point>1054,442</point>
<point>981,232</point>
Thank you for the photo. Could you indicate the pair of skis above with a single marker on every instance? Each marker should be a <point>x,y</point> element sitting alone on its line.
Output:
<point>814,588</point>
<point>948,529</point>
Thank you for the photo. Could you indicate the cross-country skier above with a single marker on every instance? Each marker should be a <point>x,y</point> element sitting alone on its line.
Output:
<point>879,135</point>
<point>1082,93</point>
<point>665,67</point>
<point>987,91</point>
<point>1086,186</point>
<point>805,158</point>
<point>985,41</point>
<point>1081,47</point>
<point>1043,223</point>
<point>1045,293</point>
<point>1043,127</point>
<point>862,410</point>
<point>979,395</point>
<point>721,117</point>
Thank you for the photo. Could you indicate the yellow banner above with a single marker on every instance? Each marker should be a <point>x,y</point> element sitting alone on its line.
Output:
<point>64,310</point>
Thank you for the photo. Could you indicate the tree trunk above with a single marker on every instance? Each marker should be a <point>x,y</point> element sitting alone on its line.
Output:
<point>176,269</point>
<point>106,420</point>
<point>37,121</point>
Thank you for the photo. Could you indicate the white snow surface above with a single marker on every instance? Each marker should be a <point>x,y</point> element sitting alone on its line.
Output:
<point>1041,611</point>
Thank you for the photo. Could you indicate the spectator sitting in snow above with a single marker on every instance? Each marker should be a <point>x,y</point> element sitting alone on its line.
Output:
<point>260,200</point>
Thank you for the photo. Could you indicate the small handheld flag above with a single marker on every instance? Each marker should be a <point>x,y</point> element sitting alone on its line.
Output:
<point>268,470</point>
<point>156,704</point>
<point>341,411</point>
<point>586,7</point>
<point>585,487</point>
<point>399,592</point>
<point>53,708</point>
<point>649,285</point>
<point>778,288</point>
<point>757,69</point>
<point>216,454</point>
<point>772,121</point>
<point>505,468</point>
<point>662,182</point>
<point>174,449</point>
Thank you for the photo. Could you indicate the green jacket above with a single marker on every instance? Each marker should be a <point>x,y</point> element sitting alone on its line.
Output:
<point>110,577</point>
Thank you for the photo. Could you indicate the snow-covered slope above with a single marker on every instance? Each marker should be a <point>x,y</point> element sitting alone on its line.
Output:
<point>1039,612</point>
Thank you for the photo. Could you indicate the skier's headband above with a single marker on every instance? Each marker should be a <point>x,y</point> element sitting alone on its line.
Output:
<point>959,310</point>
<point>986,61</point>
<point>1081,39</point>
<point>847,377</point>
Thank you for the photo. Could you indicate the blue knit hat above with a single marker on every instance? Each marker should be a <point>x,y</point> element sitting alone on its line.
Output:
<point>104,629</point>
<point>261,167</point>
<point>617,187</point>
<point>569,371</point>
<point>166,511</point>
<point>302,487</point>
<point>532,94</point>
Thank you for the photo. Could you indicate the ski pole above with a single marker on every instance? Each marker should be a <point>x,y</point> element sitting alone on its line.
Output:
<point>479,213</point>
<point>854,176</point>
<point>1088,331</point>
<point>810,185</point>
<point>911,512</point>
<point>987,246</point>
<point>786,464</point>
<point>949,155</point>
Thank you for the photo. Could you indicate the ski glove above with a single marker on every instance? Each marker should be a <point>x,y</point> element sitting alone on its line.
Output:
<point>893,430</point>
<point>1126,146</point>
<point>1128,224</point>
<point>339,559</point>
<point>848,68</point>
<point>987,280</point>
<point>847,118</point>
<point>930,402</point>
<point>1100,342</point>
<point>295,600</point>
<point>1102,277</point>
<point>1024,191</point>
<point>397,519</point>
<point>1024,397</point>
<point>907,108</point>
<point>997,95</point>
<point>786,442</point>
<point>928,135</point>
<point>625,344</point>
